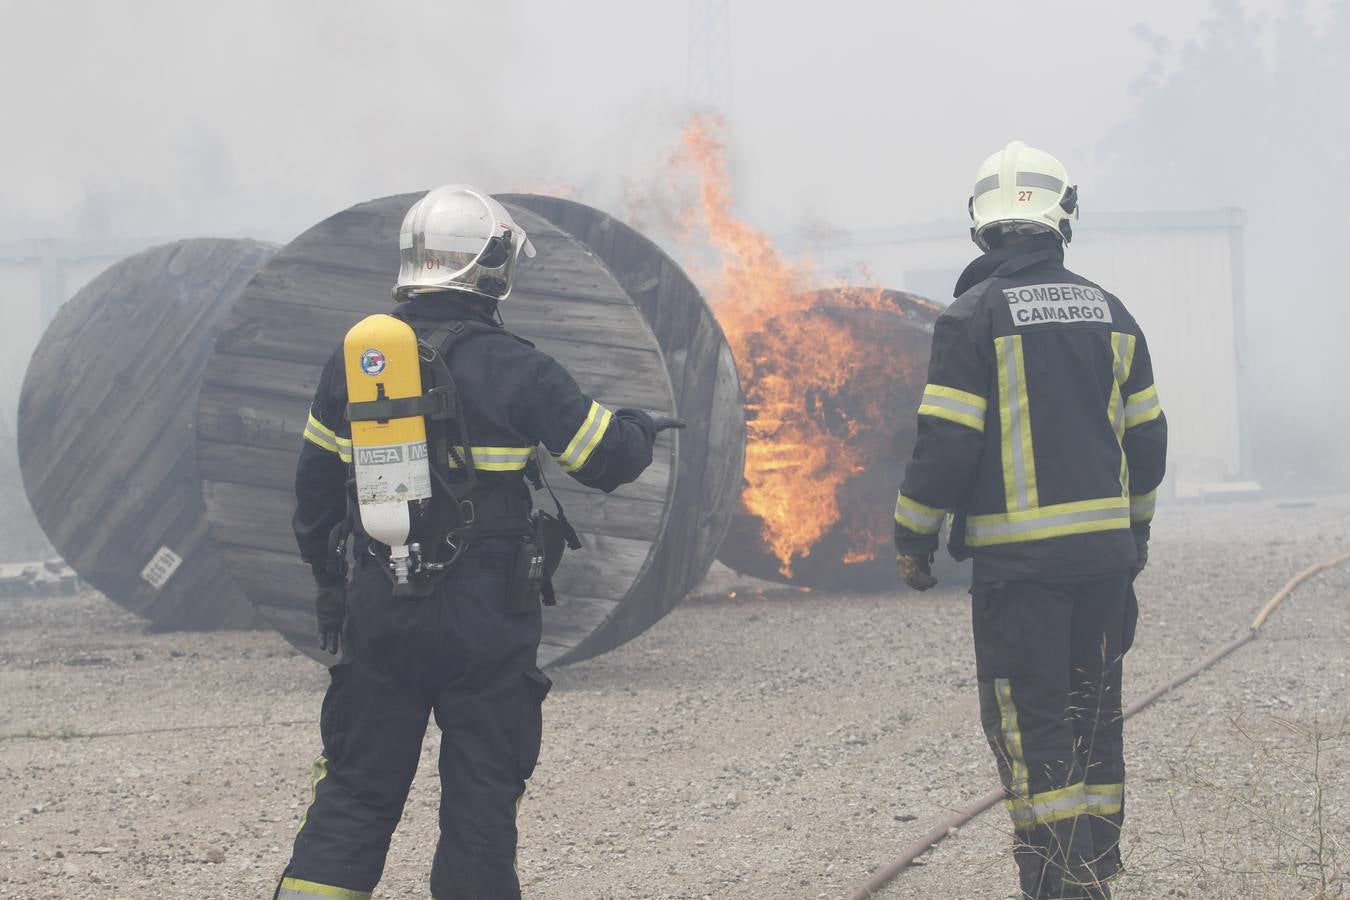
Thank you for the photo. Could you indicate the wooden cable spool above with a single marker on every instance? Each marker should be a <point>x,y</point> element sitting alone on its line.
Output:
<point>105,431</point>
<point>620,316</point>
<point>707,393</point>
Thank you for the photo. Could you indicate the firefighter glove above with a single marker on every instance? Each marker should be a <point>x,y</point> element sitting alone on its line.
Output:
<point>1141,545</point>
<point>915,570</point>
<point>330,603</point>
<point>330,607</point>
<point>662,423</point>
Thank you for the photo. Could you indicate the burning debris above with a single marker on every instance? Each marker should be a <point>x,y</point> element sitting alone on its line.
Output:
<point>831,379</point>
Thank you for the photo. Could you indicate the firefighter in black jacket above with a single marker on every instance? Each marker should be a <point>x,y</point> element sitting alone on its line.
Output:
<point>460,649</point>
<point>1041,431</point>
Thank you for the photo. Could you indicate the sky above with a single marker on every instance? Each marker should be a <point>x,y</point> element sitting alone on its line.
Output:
<point>153,120</point>
<point>164,119</point>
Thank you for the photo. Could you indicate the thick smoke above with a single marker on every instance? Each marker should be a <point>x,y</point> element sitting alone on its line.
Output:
<point>1255,113</point>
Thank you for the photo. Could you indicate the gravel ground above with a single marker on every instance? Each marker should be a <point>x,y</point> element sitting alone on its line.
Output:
<point>762,746</point>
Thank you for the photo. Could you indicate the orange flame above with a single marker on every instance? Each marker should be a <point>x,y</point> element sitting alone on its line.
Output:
<point>800,445</point>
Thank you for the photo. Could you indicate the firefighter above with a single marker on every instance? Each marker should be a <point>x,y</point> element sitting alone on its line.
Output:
<point>1041,433</point>
<point>449,624</point>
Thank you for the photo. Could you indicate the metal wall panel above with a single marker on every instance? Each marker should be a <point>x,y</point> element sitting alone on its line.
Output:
<point>21,318</point>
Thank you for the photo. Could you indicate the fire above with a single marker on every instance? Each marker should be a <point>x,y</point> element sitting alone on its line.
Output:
<point>805,435</point>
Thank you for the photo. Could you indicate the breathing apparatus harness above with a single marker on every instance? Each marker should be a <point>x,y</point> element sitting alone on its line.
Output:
<point>447,522</point>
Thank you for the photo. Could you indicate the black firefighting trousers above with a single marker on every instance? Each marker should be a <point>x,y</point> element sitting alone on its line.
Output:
<point>1048,660</point>
<point>460,655</point>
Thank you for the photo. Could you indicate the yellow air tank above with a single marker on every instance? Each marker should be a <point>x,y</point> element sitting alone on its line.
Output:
<point>390,455</point>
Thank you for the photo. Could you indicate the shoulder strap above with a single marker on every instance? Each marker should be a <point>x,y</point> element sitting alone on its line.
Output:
<point>534,471</point>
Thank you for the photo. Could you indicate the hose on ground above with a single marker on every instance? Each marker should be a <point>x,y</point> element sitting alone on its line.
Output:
<point>932,838</point>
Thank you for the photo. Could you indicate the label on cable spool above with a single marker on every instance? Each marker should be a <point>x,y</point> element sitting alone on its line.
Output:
<point>161,567</point>
<point>392,473</point>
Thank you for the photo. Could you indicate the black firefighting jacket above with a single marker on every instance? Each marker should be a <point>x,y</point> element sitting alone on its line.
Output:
<point>1040,426</point>
<point>515,397</point>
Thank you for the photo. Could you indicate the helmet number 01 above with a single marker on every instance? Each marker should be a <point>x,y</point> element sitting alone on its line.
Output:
<point>432,264</point>
<point>1023,196</point>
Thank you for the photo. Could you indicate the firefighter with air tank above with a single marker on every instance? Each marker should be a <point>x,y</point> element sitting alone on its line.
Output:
<point>1041,432</point>
<point>418,454</point>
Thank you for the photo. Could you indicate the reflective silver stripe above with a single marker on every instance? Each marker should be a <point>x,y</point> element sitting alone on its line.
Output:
<point>1142,506</point>
<point>1105,799</point>
<point>1039,180</point>
<point>916,516</point>
<point>986,184</point>
<point>951,404</point>
<point>1049,518</point>
<point>586,439</point>
<point>1051,806</point>
<point>319,438</point>
<point>405,240</point>
<point>1013,406</point>
<point>1138,408</point>
<point>500,455</point>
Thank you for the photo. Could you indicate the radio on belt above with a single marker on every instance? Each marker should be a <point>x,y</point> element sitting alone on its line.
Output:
<point>389,455</point>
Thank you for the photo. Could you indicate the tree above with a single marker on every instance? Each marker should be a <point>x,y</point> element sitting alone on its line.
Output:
<point>1255,113</point>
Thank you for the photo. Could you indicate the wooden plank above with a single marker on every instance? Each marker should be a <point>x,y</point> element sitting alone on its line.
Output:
<point>252,517</point>
<point>610,325</point>
<point>574,618</point>
<point>619,376</point>
<point>605,568</point>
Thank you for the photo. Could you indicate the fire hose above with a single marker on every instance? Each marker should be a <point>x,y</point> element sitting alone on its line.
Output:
<point>932,838</point>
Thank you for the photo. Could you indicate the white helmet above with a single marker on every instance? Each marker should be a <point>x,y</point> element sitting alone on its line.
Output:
<point>1023,187</point>
<point>460,239</point>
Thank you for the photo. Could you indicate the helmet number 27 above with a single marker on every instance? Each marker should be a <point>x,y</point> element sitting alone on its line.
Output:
<point>1023,196</point>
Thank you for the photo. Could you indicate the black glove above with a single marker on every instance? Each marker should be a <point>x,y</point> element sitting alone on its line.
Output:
<point>330,604</point>
<point>1141,545</point>
<point>662,423</point>
<point>330,607</point>
<point>915,570</point>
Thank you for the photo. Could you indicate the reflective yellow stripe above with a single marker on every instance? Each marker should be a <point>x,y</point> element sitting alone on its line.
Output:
<point>1019,465</point>
<point>1028,809</point>
<point>1049,806</point>
<point>299,889</point>
<point>497,459</point>
<point>1057,520</point>
<point>1122,358</point>
<point>1142,506</point>
<point>515,857</point>
<point>916,517</point>
<point>1024,402</point>
<point>587,438</point>
<point>1105,799</point>
<point>961,407</point>
<point>1012,738</point>
<point>320,435</point>
<point>1142,407</point>
<point>1122,349</point>
<point>317,772</point>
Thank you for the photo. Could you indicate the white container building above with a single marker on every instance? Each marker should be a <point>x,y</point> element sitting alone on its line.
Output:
<point>1181,274</point>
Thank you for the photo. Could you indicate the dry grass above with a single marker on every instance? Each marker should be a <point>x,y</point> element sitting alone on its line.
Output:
<point>1270,831</point>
